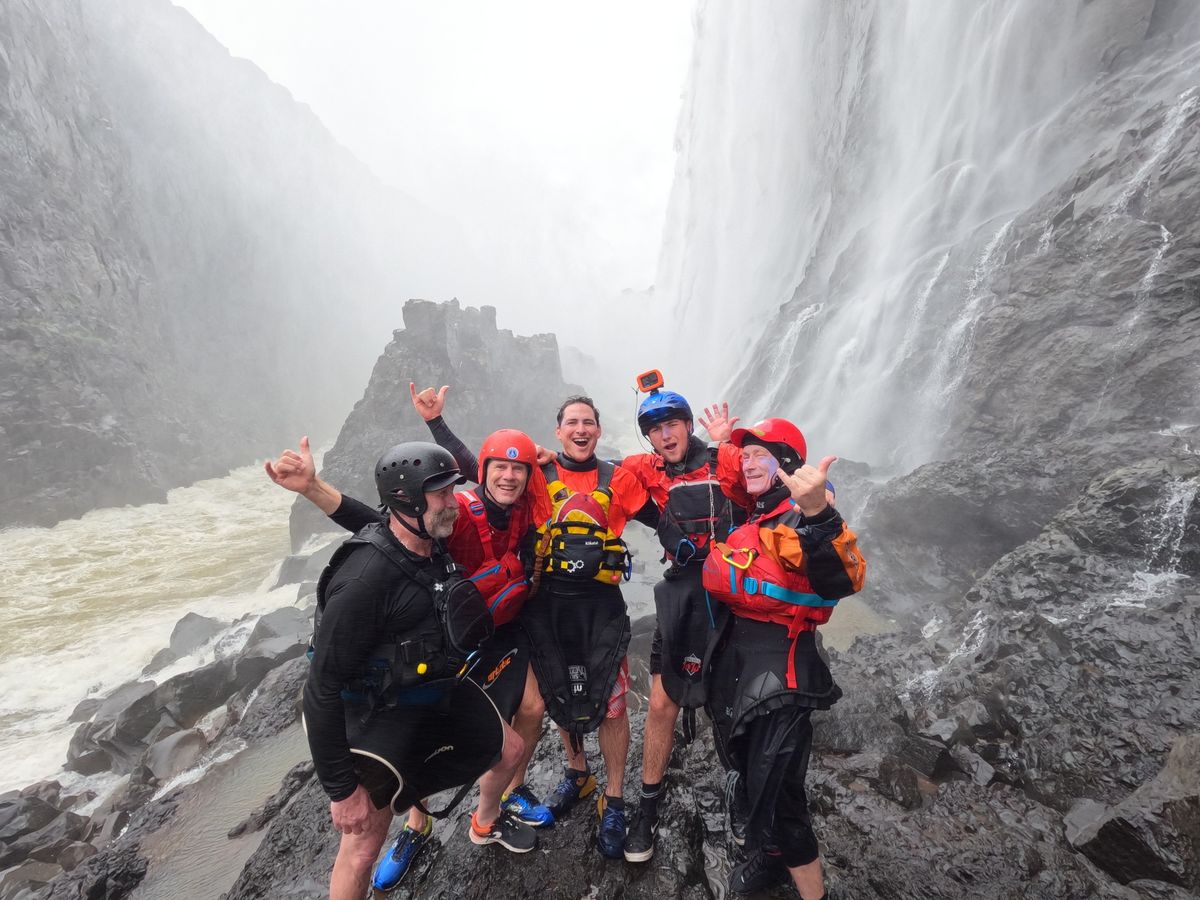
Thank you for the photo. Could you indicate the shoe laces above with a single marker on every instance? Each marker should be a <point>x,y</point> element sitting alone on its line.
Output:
<point>568,787</point>
<point>613,818</point>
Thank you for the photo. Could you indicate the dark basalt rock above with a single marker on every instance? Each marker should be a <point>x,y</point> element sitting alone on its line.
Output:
<point>442,343</point>
<point>1155,832</point>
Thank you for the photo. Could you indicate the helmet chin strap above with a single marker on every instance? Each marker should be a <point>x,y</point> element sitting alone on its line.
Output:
<point>419,531</point>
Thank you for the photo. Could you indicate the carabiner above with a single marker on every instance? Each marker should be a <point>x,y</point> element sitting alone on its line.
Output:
<point>732,550</point>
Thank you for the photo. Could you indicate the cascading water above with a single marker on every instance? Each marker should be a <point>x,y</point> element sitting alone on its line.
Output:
<point>848,182</point>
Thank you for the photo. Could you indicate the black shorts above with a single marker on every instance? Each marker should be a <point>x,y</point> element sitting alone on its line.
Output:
<point>502,666</point>
<point>405,753</point>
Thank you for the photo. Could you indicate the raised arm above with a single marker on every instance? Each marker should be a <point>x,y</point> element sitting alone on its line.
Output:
<point>429,405</point>
<point>295,471</point>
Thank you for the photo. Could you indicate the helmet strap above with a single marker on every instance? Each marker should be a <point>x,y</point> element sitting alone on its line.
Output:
<point>419,531</point>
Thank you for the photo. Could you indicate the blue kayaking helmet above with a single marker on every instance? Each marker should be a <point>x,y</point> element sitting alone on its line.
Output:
<point>661,406</point>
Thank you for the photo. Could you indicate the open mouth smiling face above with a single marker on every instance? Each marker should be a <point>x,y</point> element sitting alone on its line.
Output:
<point>670,439</point>
<point>579,432</point>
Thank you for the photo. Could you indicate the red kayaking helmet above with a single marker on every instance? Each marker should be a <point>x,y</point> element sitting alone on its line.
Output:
<point>507,443</point>
<point>781,437</point>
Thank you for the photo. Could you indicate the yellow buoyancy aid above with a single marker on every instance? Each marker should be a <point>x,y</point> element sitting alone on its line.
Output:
<point>577,541</point>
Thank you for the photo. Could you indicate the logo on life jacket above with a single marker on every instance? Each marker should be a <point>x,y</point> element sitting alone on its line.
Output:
<point>578,676</point>
<point>504,663</point>
<point>691,664</point>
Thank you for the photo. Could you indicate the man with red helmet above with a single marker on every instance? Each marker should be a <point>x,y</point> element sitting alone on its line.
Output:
<point>578,624</point>
<point>493,530</point>
<point>780,574</point>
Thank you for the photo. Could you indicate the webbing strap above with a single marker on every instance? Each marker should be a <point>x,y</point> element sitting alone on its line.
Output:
<point>777,592</point>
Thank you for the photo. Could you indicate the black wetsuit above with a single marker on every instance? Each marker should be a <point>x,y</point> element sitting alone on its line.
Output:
<point>501,665</point>
<point>369,602</point>
<point>762,728</point>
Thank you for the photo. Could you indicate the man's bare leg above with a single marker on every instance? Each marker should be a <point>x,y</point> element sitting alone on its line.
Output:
<point>356,855</point>
<point>495,779</point>
<point>528,724</point>
<point>659,736</point>
<point>809,880</point>
<point>576,759</point>
<point>614,748</point>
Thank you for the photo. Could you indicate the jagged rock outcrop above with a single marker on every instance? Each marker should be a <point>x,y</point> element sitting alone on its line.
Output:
<point>179,237</point>
<point>497,380</point>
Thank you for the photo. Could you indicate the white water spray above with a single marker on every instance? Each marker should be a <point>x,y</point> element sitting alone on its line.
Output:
<point>843,174</point>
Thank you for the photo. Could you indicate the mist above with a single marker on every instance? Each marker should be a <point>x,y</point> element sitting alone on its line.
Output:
<point>543,131</point>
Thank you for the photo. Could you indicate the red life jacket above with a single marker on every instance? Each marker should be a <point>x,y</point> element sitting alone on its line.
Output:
<point>501,577</point>
<point>757,586</point>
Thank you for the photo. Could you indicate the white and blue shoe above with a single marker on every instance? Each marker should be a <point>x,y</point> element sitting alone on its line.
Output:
<point>525,808</point>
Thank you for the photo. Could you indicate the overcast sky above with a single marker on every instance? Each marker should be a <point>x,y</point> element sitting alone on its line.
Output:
<point>546,128</point>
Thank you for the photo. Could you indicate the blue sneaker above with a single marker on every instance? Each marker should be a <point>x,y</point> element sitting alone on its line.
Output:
<point>611,836</point>
<point>390,870</point>
<point>574,786</point>
<point>525,807</point>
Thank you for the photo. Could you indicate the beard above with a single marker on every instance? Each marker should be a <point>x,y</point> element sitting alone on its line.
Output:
<point>440,524</point>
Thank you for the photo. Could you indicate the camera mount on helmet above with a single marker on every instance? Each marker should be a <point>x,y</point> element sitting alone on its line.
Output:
<point>660,405</point>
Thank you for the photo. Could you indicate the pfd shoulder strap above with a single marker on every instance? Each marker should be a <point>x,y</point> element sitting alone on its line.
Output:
<point>374,536</point>
<point>604,475</point>
<point>478,513</point>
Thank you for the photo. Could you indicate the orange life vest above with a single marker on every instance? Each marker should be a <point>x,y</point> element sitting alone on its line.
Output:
<point>757,586</point>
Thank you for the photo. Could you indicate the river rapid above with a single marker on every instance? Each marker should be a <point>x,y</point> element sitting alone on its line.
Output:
<point>84,605</point>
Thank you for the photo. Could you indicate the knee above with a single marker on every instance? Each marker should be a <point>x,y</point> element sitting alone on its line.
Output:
<point>533,707</point>
<point>514,747</point>
<point>662,706</point>
<point>359,851</point>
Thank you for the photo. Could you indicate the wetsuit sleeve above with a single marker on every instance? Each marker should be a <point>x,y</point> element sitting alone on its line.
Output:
<point>343,645</point>
<point>629,492</point>
<point>648,515</point>
<point>467,461</point>
<point>354,514</point>
<point>822,547</point>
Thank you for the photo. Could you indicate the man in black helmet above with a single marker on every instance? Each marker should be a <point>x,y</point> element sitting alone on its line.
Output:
<point>388,716</point>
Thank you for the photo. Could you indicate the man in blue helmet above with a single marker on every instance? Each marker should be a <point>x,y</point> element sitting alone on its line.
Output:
<point>699,494</point>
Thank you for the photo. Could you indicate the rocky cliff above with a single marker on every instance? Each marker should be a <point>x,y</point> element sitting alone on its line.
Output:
<point>497,380</point>
<point>179,239</point>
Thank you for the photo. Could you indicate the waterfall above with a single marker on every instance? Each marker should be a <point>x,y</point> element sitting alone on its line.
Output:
<point>848,179</point>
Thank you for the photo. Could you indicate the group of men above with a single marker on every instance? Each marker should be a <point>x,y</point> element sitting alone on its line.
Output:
<point>451,623</point>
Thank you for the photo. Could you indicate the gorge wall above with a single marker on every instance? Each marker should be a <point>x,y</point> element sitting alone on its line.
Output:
<point>180,241</point>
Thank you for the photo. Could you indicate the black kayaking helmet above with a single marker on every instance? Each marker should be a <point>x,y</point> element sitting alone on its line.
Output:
<point>408,470</point>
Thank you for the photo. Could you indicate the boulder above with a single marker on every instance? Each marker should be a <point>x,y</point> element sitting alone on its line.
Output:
<point>1155,832</point>
<point>44,843</point>
<point>175,753</point>
<point>22,815</point>
<point>73,854</point>
<point>289,621</point>
<point>29,876</point>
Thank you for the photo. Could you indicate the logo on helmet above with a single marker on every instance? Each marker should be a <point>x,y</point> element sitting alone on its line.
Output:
<point>511,453</point>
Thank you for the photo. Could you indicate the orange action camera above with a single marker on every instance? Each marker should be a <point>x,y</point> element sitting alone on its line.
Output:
<point>650,381</point>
